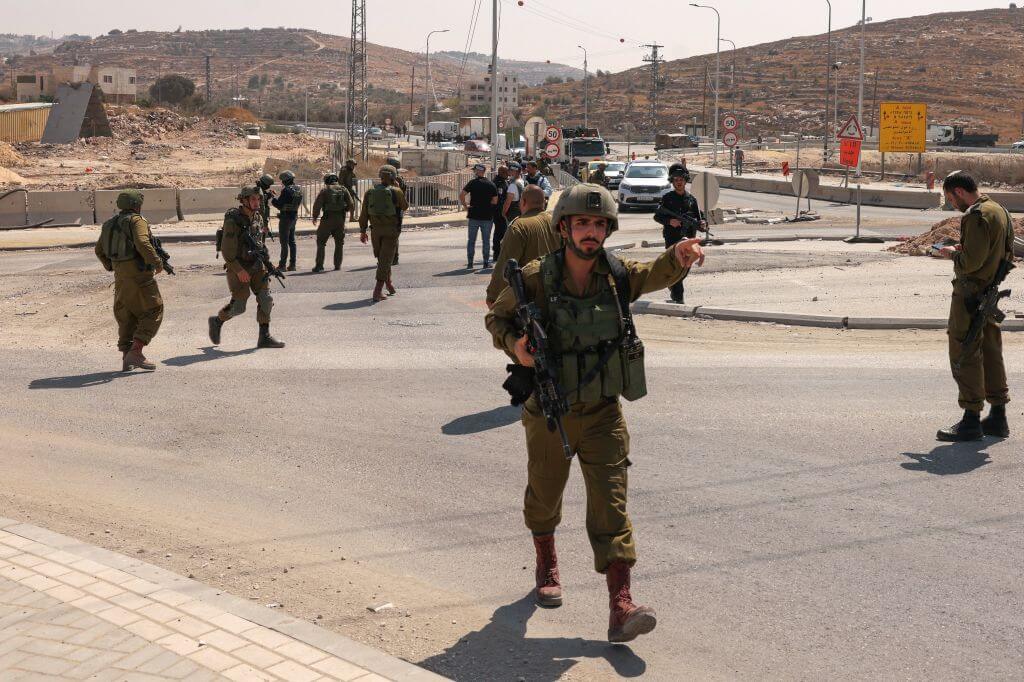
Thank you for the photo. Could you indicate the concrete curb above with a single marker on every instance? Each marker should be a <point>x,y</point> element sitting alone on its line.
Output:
<point>802,319</point>
<point>385,665</point>
<point>776,238</point>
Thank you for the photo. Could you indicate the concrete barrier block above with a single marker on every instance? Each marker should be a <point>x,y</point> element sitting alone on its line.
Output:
<point>159,206</point>
<point>895,323</point>
<point>63,207</point>
<point>207,203</point>
<point>797,319</point>
<point>1013,325</point>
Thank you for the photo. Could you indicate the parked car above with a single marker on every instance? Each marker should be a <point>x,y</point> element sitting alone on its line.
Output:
<point>1017,146</point>
<point>643,184</point>
<point>375,133</point>
<point>476,146</point>
<point>613,171</point>
<point>447,146</point>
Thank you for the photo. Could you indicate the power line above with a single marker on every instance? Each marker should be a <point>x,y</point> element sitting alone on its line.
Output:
<point>569,22</point>
<point>470,34</point>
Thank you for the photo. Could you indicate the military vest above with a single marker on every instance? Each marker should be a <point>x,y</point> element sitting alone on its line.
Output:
<point>294,200</point>
<point>336,200</point>
<point>117,239</point>
<point>380,201</point>
<point>593,341</point>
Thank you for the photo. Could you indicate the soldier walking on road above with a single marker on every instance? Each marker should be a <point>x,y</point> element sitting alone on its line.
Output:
<point>583,293</point>
<point>347,179</point>
<point>397,165</point>
<point>381,213</point>
<point>528,238</point>
<point>125,247</point>
<point>288,215</point>
<point>681,203</point>
<point>335,201</point>
<point>986,240</point>
<point>246,272</point>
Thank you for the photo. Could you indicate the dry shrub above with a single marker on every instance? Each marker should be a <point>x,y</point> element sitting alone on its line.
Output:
<point>237,113</point>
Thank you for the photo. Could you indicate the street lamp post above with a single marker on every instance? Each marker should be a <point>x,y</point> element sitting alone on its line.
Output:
<point>718,70</point>
<point>586,90</point>
<point>426,90</point>
<point>732,72</point>
<point>860,85</point>
<point>828,74</point>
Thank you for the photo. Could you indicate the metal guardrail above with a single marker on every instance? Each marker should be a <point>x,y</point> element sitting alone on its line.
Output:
<point>427,194</point>
<point>563,180</point>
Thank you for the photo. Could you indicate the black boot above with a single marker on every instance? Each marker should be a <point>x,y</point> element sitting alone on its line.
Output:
<point>215,324</point>
<point>995,423</point>
<point>266,340</point>
<point>968,428</point>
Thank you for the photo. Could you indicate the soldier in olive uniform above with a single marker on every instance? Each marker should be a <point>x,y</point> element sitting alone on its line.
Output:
<point>986,238</point>
<point>528,238</point>
<point>381,213</point>
<point>125,248</point>
<point>397,165</point>
<point>583,293</point>
<point>245,270</point>
<point>598,177</point>
<point>264,185</point>
<point>347,179</point>
<point>334,201</point>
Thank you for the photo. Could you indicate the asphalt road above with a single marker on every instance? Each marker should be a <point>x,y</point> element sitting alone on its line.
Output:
<point>795,517</point>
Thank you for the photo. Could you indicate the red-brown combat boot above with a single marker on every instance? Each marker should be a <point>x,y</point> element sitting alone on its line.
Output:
<point>627,620</point>
<point>378,293</point>
<point>135,359</point>
<point>390,287</point>
<point>549,587</point>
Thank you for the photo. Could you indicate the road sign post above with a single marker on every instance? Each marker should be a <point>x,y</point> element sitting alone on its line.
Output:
<point>902,127</point>
<point>851,132</point>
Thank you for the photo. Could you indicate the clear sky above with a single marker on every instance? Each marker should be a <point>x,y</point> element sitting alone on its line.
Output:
<point>537,30</point>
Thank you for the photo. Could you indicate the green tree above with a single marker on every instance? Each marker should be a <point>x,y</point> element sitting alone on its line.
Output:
<point>172,89</point>
<point>552,80</point>
<point>254,82</point>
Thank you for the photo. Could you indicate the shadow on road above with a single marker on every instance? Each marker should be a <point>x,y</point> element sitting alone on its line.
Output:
<point>502,644</point>
<point>455,273</point>
<point>954,458</point>
<point>350,305</point>
<point>364,269</point>
<point>207,353</point>
<point>493,418</point>
<point>80,380</point>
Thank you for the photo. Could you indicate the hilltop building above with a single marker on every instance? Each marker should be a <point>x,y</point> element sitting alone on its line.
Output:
<point>118,83</point>
<point>478,93</point>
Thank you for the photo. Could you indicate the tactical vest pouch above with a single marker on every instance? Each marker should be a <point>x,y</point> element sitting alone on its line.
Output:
<point>116,239</point>
<point>631,355</point>
<point>336,201</point>
<point>294,199</point>
<point>381,202</point>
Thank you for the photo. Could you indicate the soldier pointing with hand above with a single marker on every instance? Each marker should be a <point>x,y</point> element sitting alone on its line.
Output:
<point>583,293</point>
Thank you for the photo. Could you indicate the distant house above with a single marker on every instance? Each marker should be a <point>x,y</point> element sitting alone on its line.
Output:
<point>118,83</point>
<point>478,93</point>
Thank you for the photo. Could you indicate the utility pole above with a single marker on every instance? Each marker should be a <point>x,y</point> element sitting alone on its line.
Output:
<point>586,90</point>
<point>355,113</point>
<point>494,86</point>
<point>718,73</point>
<point>412,94</point>
<point>704,102</point>
<point>207,79</point>
<point>655,61</point>
<point>828,78</point>
<point>860,85</point>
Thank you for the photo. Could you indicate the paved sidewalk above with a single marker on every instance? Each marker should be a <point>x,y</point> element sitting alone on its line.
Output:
<point>69,610</point>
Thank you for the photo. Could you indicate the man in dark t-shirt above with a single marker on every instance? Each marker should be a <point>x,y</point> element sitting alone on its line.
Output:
<point>500,222</point>
<point>483,196</point>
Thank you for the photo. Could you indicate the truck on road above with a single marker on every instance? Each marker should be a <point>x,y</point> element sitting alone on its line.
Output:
<point>448,129</point>
<point>584,144</point>
<point>954,136</point>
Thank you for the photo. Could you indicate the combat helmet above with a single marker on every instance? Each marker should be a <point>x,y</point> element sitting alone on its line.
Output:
<point>266,181</point>
<point>351,163</point>
<point>130,200</point>
<point>287,177</point>
<point>586,199</point>
<point>331,179</point>
<point>393,161</point>
<point>677,169</point>
<point>247,192</point>
<point>387,169</point>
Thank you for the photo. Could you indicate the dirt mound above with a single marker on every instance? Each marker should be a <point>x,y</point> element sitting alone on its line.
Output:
<point>131,122</point>
<point>947,230</point>
<point>237,114</point>
<point>9,157</point>
<point>9,177</point>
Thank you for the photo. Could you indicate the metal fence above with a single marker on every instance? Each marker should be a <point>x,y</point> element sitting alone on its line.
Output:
<point>426,195</point>
<point>563,180</point>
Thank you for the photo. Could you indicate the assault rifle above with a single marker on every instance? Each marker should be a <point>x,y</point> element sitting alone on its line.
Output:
<point>260,251</point>
<point>983,306</point>
<point>162,253</point>
<point>541,381</point>
<point>686,220</point>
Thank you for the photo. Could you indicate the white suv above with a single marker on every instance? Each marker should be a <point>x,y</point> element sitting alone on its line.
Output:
<point>643,184</point>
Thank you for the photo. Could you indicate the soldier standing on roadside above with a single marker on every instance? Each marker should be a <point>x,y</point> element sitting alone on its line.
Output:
<point>288,215</point>
<point>245,270</point>
<point>598,177</point>
<point>264,185</point>
<point>125,248</point>
<point>347,179</point>
<point>397,165</point>
<point>680,202</point>
<point>335,201</point>
<point>381,212</point>
<point>986,239</point>
<point>583,293</point>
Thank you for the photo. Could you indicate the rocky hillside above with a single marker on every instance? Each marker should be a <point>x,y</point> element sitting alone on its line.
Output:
<point>965,65</point>
<point>530,73</point>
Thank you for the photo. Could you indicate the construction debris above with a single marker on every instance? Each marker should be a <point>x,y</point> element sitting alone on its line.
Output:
<point>945,231</point>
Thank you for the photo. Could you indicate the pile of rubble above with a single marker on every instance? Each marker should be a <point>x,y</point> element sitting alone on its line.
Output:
<point>136,123</point>
<point>944,231</point>
<point>9,157</point>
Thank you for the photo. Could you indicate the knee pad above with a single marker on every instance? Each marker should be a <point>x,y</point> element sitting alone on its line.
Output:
<point>265,301</point>
<point>237,306</point>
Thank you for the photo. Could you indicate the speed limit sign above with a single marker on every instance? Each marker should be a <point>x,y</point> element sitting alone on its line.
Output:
<point>552,134</point>
<point>730,139</point>
<point>730,122</point>
<point>552,150</point>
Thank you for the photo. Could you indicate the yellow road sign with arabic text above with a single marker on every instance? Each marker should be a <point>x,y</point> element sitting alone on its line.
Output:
<point>902,127</point>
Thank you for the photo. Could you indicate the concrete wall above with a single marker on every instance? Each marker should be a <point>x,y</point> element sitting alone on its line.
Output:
<point>893,198</point>
<point>160,205</point>
<point>206,203</point>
